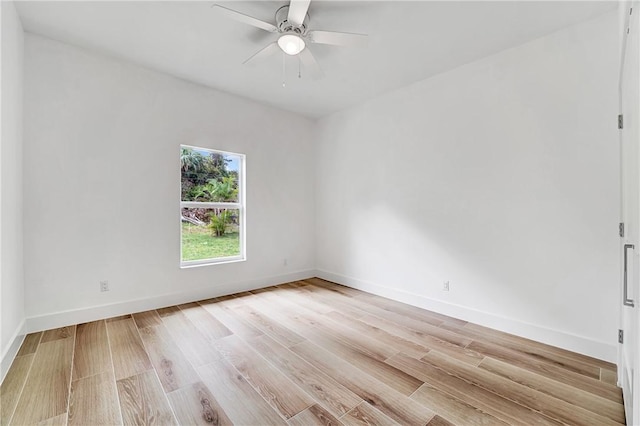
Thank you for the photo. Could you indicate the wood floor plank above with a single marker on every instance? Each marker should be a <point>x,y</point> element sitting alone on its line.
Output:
<point>60,420</point>
<point>538,401</point>
<point>425,339</point>
<point>588,401</point>
<point>119,318</point>
<point>453,409</point>
<point>197,347</point>
<point>269,290</point>
<point>371,303</point>
<point>548,370</point>
<point>321,331</point>
<point>532,344</point>
<point>232,300</point>
<point>409,310</point>
<point>329,392</point>
<point>329,333</point>
<point>167,311</point>
<point>308,325</point>
<point>323,301</point>
<point>425,326</point>
<point>93,401</point>
<point>12,386</point>
<point>347,344</point>
<point>222,312</point>
<point>397,379</point>
<point>499,407</point>
<point>236,396</point>
<point>377,305</point>
<point>439,421</point>
<point>172,367</point>
<point>314,416</point>
<point>30,344</point>
<point>195,405</point>
<point>366,415</point>
<point>204,321</point>
<point>281,393</point>
<point>143,402</point>
<point>405,346</point>
<point>538,352</point>
<point>341,289</point>
<point>261,321</point>
<point>281,309</point>
<point>241,297</point>
<point>386,399</point>
<point>328,300</point>
<point>47,387</point>
<point>58,333</point>
<point>91,354</point>
<point>609,377</point>
<point>147,319</point>
<point>128,354</point>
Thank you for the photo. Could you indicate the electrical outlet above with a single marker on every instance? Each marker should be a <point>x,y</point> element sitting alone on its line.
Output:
<point>284,262</point>
<point>445,286</point>
<point>104,285</point>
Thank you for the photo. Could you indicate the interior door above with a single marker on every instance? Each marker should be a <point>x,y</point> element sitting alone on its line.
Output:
<point>628,377</point>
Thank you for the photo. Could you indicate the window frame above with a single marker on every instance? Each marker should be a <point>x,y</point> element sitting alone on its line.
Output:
<point>240,206</point>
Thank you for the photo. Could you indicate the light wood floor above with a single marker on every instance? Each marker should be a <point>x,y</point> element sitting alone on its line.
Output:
<point>304,353</point>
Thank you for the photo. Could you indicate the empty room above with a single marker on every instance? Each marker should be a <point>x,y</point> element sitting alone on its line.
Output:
<point>320,213</point>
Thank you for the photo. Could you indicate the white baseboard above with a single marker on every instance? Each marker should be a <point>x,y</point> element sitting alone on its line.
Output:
<point>9,353</point>
<point>94,313</point>
<point>558,338</point>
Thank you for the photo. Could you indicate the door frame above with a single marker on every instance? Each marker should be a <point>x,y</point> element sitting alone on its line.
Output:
<point>630,386</point>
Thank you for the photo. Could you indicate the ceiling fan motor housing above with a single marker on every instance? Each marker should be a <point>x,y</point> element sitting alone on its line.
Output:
<point>284,26</point>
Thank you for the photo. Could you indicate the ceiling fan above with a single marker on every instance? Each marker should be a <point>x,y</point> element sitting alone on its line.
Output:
<point>294,36</point>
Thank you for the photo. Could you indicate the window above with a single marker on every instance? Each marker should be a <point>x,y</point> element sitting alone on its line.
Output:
<point>211,206</point>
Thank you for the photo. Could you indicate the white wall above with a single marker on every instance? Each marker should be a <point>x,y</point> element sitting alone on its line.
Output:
<point>501,177</point>
<point>102,185</point>
<point>11,268</point>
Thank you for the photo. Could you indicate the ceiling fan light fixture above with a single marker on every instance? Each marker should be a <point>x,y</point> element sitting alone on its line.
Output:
<point>291,44</point>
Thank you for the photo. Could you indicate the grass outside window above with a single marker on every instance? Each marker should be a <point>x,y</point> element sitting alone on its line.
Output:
<point>199,243</point>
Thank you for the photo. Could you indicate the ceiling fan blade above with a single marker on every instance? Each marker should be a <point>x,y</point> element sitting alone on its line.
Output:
<point>337,38</point>
<point>310,64</point>
<point>298,11</point>
<point>246,19</point>
<point>265,52</point>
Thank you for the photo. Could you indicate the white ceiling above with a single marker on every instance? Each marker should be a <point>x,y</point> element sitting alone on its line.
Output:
<point>408,41</point>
